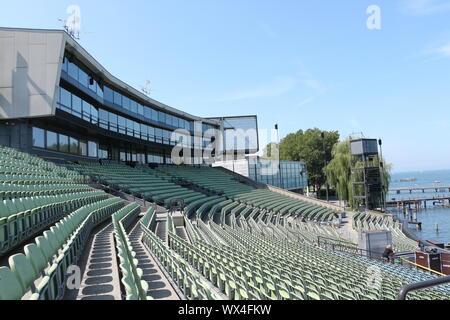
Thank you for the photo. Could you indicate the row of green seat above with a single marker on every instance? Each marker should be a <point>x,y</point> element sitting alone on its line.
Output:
<point>131,275</point>
<point>22,218</point>
<point>23,166</point>
<point>139,182</point>
<point>41,273</point>
<point>363,221</point>
<point>11,191</point>
<point>188,280</point>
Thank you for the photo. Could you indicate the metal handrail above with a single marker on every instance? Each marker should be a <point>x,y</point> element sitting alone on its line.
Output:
<point>421,285</point>
<point>422,267</point>
<point>342,246</point>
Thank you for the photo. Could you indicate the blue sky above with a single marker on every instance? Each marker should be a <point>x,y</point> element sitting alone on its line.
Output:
<point>299,63</point>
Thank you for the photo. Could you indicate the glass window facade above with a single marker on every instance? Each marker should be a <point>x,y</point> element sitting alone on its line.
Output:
<point>292,176</point>
<point>63,143</point>
<point>73,146</point>
<point>38,138</point>
<point>81,75</point>
<point>92,149</point>
<point>83,148</point>
<point>52,141</point>
<point>140,121</point>
<point>74,105</point>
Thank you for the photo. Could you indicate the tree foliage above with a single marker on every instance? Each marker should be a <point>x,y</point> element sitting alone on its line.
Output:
<point>307,146</point>
<point>339,171</point>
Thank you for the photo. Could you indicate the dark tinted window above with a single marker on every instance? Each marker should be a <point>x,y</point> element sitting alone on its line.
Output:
<point>147,112</point>
<point>175,122</point>
<point>76,106</point>
<point>73,71</point>
<point>86,111</point>
<point>130,127</point>
<point>38,138</point>
<point>83,78</point>
<point>158,135</point>
<point>161,117</point>
<point>151,133</point>
<point>74,146</point>
<point>99,90</point>
<point>137,130</point>
<point>133,106</point>
<point>52,141</point>
<point>83,148</point>
<point>65,98</point>
<point>117,98</point>
<point>154,115</point>
<point>92,84</point>
<point>92,149</point>
<point>113,121</point>
<point>144,132</point>
<point>140,109</point>
<point>122,125</point>
<point>108,94</point>
<point>65,64</point>
<point>94,114</point>
<point>169,119</point>
<point>103,118</point>
<point>126,102</point>
<point>63,143</point>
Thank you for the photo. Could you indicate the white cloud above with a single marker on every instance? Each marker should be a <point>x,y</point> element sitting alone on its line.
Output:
<point>279,86</point>
<point>425,7</point>
<point>444,50</point>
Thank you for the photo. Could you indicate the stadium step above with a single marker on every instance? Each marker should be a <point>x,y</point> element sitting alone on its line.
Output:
<point>347,230</point>
<point>100,276</point>
<point>181,232</point>
<point>161,229</point>
<point>159,287</point>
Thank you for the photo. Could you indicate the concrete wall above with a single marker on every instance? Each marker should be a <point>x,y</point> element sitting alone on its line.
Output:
<point>30,66</point>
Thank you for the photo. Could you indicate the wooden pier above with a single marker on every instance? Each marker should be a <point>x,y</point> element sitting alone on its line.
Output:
<point>423,189</point>
<point>417,203</point>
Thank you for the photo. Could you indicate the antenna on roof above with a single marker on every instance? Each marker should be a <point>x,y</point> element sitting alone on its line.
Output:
<point>71,32</point>
<point>356,135</point>
<point>146,88</point>
<point>72,24</point>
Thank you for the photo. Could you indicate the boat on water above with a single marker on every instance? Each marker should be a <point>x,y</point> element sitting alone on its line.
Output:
<point>408,179</point>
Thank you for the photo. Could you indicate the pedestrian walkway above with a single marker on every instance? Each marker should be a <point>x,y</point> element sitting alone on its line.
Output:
<point>159,286</point>
<point>99,269</point>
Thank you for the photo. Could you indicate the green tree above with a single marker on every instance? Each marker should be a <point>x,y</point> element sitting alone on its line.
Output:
<point>307,146</point>
<point>339,171</point>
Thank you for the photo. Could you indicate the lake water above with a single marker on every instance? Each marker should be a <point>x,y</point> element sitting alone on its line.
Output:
<point>433,215</point>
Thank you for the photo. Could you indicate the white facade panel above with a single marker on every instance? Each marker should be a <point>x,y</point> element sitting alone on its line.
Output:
<point>29,72</point>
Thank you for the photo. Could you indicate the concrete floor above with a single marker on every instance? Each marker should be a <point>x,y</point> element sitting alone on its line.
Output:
<point>346,230</point>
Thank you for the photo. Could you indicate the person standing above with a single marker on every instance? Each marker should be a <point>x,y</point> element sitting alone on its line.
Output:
<point>388,253</point>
